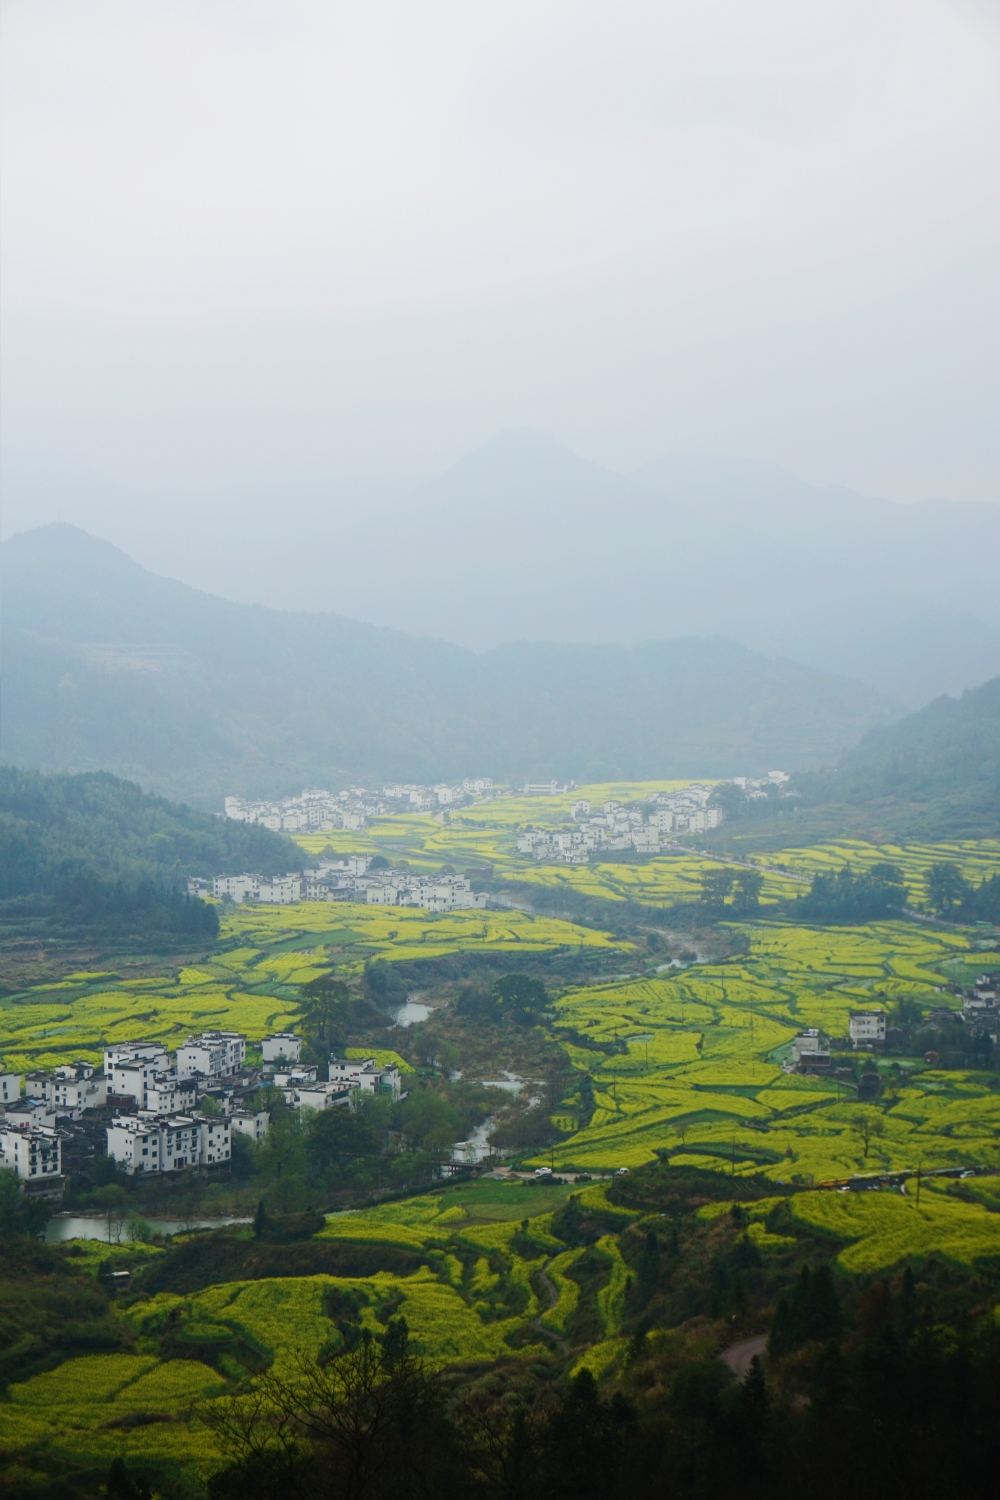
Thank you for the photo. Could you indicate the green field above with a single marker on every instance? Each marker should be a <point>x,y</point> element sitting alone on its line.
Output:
<point>488,836</point>
<point>699,1075</point>
<point>679,1061</point>
<point>251,982</point>
<point>476,1302</point>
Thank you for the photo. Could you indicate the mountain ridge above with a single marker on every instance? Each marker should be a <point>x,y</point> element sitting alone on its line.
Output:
<point>107,666</point>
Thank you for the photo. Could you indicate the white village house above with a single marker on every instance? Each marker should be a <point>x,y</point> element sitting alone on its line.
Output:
<point>147,1142</point>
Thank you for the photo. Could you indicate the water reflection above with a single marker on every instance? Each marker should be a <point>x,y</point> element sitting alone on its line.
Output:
<point>412,1013</point>
<point>477,1147</point>
<point>90,1227</point>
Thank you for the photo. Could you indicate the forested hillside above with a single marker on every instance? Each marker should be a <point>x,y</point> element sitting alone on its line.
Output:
<point>107,666</point>
<point>935,774</point>
<point>90,858</point>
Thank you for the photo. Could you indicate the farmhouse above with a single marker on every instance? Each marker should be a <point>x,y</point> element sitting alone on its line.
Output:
<point>214,1054</point>
<point>10,1087</point>
<point>365,1074</point>
<point>147,1142</point>
<point>252,1123</point>
<point>282,1046</point>
<point>867,1028</point>
<point>31,1149</point>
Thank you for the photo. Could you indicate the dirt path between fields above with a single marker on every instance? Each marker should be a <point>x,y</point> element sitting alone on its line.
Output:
<point>553,1293</point>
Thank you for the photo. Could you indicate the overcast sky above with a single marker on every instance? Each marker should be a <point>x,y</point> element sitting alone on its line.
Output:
<point>311,249</point>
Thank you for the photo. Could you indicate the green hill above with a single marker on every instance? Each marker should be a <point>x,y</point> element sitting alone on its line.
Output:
<point>935,774</point>
<point>90,859</point>
<point>107,666</point>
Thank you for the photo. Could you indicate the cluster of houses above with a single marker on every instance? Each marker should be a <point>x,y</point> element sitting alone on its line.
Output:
<point>164,1112</point>
<point>756,790</point>
<point>319,811</point>
<point>350,879</point>
<point>615,826</point>
<point>981,1007</point>
<point>868,1030</point>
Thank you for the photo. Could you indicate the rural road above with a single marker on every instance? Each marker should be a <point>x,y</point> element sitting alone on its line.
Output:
<point>553,1293</point>
<point>738,1356</point>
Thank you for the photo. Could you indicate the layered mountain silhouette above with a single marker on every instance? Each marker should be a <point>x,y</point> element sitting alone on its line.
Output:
<point>106,665</point>
<point>524,540</point>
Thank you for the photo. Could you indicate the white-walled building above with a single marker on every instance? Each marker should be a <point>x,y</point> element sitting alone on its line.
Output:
<point>10,1087</point>
<point>282,1046</point>
<point>167,1094</point>
<point>866,1027</point>
<point>214,1054</point>
<point>319,1096</point>
<point>280,890</point>
<point>246,1122</point>
<point>646,840</point>
<point>365,1074</point>
<point>238,888</point>
<point>32,1150</point>
<point>76,1087</point>
<point>297,1076</point>
<point>147,1052</point>
<point>146,1142</point>
<point>130,1067</point>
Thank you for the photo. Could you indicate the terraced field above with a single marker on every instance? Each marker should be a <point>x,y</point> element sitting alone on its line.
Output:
<point>251,982</point>
<point>693,1062</point>
<point>498,1283</point>
<point>488,835</point>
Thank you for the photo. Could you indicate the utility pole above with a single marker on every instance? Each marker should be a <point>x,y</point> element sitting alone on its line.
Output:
<point>920,1164</point>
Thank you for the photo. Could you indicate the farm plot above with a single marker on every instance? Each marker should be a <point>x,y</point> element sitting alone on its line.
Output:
<point>251,983</point>
<point>692,1065</point>
<point>978,859</point>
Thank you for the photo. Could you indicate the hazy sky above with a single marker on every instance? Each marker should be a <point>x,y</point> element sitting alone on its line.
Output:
<point>294,248</point>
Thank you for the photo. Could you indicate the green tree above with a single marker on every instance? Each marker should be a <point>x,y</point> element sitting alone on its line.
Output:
<point>281,1155</point>
<point>749,884</point>
<point>869,1126</point>
<point>114,1201</point>
<point>429,1120</point>
<point>520,998</point>
<point>137,1229</point>
<point>324,1008</point>
<point>715,887</point>
<point>20,1214</point>
<point>946,886</point>
<point>335,1137</point>
<point>383,985</point>
<point>370,1422</point>
<point>812,1312</point>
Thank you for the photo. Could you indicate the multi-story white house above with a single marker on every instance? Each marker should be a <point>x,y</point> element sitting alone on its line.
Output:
<point>246,1122</point>
<point>646,840</point>
<point>214,1054</point>
<point>238,888</point>
<point>130,1067</point>
<point>32,1150</point>
<point>280,890</point>
<point>167,1094</point>
<point>318,1096</point>
<point>282,1046</point>
<point>75,1087</point>
<point>153,1053</point>
<point>365,1074</point>
<point>867,1027</point>
<point>146,1142</point>
<point>10,1087</point>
